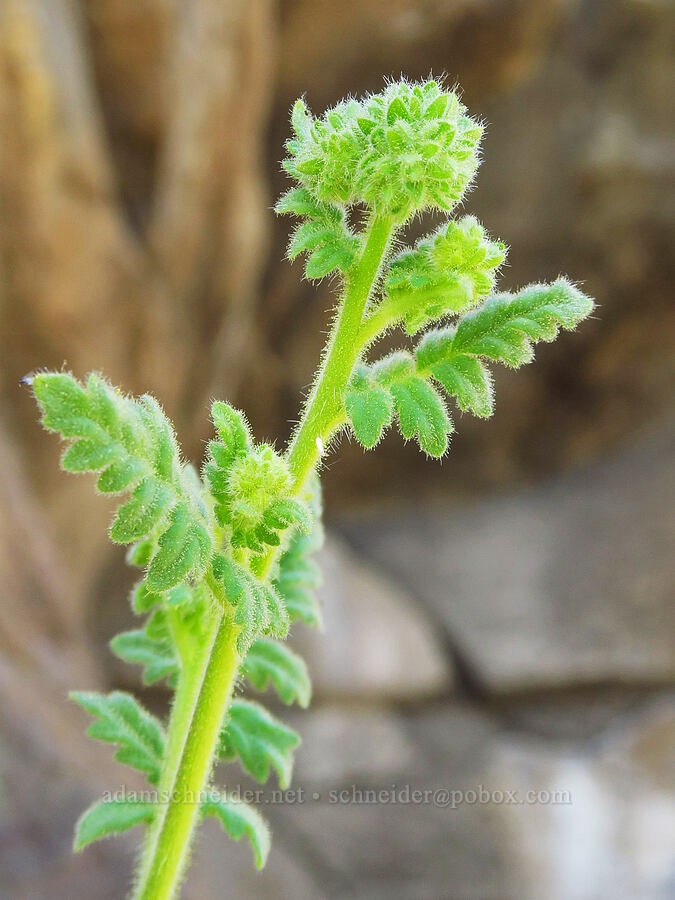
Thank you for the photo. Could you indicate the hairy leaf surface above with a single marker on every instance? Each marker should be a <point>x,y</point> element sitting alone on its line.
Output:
<point>239,820</point>
<point>269,661</point>
<point>106,817</point>
<point>120,719</point>
<point>259,740</point>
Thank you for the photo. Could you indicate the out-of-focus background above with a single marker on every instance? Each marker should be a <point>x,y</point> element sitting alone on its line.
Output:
<point>502,621</point>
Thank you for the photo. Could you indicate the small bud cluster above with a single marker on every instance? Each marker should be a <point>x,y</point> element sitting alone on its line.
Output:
<point>447,271</point>
<point>251,485</point>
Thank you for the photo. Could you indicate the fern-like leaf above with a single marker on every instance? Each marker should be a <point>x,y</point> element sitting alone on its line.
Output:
<point>298,575</point>
<point>298,578</point>
<point>369,406</point>
<point>259,740</point>
<point>507,325</point>
<point>107,817</point>
<point>184,549</point>
<point>155,654</point>
<point>120,719</point>
<point>259,608</point>
<point>324,235</point>
<point>269,661</point>
<point>239,820</point>
<point>420,410</point>
<point>463,376</point>
<point>503,329</point>
<point>132,444</point>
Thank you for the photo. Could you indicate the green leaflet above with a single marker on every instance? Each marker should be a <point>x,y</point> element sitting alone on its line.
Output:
<point>132,443</point>
<point>138,516</point>
<point>239,819</point>
<point>184,549</point>
<point>165,455</point>
<point>155,654</point>
<point>421,414</point>
<point>324,235</point>
<point>467,379</point>
<point>106,817</point>
<point>260,740</point>
<point>369,407</point>
<point>287,512</point>
<point>503,329</point>
<point>463,376</point>
<point>233,432</point>
<point>299,576</point>
<point>506,326</point>
<point>120,719</point>
<point>119,475</point>
<point>259,608</point>
<point>300,202</point>
<point>141,553</point>
<point>143,599</point>
<point>89,455</point>
<point>419,409</point>
<point>269,661</point>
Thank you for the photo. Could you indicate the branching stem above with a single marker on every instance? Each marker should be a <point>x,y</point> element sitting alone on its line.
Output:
<point>207,679</point>
<point>324,410</point>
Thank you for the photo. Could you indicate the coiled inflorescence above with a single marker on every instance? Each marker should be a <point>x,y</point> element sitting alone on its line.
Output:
<point>251,485</point>
<point>410,148</point>
<point>446,272</point>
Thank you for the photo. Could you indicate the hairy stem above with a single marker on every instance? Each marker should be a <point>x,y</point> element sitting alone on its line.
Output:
<point>392,310</point>
<point>324,410</point>
<point>201,700</point>
<point>206,684</point>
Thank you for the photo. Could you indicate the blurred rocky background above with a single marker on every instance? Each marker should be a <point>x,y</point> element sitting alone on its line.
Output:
<point>504,619</point>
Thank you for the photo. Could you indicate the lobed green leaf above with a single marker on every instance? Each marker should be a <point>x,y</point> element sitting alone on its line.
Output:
<point>421,414</point>
<point>298,578</point>
<point>184,549</point>
<point>463,376</point>
<point>120,719</point>
<point>369,407</point>
<point>239,820</point>
<point>155,654</point>
<point>505,326</point>
<point>271,662</point>
<point>259,740</point>
<point>138,516</point>
<point>106,817</point>
<point>258,607</point>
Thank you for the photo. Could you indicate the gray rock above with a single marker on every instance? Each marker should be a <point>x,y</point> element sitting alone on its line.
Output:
<point>400,846</point>
<point>599,823</point>
<point>341,744</point>
<point>613,834</point>
<point>570,583</point>
<point>377,641</point>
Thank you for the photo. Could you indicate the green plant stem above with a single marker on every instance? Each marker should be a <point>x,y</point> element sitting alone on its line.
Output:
<point>324,410</point>
<point>206,684</point>
<point>201,699</point>
<point>392,310</point>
